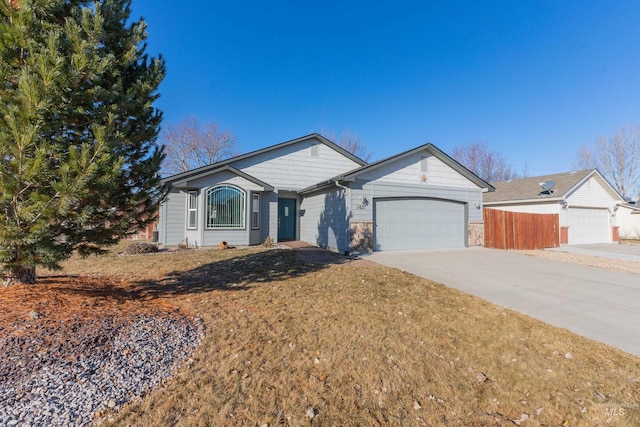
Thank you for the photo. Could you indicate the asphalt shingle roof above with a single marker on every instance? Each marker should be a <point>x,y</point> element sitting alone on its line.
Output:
<point>530,189</point>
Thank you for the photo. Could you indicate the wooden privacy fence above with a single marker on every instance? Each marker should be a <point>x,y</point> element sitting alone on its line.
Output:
<point>518,230</point>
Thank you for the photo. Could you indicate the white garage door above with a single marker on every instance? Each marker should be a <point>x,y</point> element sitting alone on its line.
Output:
<point>411,223</point>
<point>588,225</point>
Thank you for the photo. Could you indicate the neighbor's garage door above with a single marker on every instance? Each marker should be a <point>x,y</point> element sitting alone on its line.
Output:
<point>411,223</point>
<point>588,225</point>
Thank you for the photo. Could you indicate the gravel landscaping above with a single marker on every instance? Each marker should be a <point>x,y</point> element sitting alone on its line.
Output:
<point>76,349</point>
<point>70,374</point>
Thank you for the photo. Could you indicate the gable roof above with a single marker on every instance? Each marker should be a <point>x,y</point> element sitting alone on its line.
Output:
<point>184,182</point>
<point>204,170</point>
<point>435,151</point>
<point>529,189</point>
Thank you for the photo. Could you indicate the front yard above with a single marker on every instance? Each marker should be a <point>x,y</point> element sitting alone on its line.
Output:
<point>294,343</point>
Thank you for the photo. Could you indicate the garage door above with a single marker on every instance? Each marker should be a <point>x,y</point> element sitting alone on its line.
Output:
<point>588,225</point>
<point>412,223</point>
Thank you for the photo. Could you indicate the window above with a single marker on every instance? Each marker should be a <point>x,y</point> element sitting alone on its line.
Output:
<point>225,207</point>
<point>255,211</point>
<point>192,210</point>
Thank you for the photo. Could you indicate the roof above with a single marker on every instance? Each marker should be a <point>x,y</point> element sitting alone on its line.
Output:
<point>529,189</point>
<point>353,174</point>
<point>214,167</point>
<point>635,209</point>
<point>185,181</point>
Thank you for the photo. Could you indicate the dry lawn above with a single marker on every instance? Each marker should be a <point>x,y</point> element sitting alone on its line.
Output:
<point>293,343</point>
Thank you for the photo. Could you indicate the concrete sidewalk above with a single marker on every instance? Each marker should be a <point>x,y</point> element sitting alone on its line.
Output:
<point>627,252</point>
<point>599,304</point>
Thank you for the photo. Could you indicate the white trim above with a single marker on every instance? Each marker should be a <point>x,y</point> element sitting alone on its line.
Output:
<point>255,210</point>
<point>192,195</point>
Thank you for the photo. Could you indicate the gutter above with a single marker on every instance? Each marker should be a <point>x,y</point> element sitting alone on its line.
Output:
<point>523,201</point>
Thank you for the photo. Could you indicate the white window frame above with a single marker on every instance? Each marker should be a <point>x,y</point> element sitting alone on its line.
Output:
<point>239,206</point>
<point>192,208</point>
<point>255,211</point>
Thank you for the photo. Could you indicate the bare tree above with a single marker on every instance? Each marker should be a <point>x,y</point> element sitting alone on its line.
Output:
<point>487,164</point>
<point>190,145</point>
<point>350,142</point>
<point>617,157</point>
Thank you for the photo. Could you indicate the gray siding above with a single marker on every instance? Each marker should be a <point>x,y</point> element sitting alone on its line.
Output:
<point>232,237</point>
<point>325,220</point>
<point>162,227</point>
<point>294,167</point>
<point>376,189</point>
<point>224,177</point>
<point>173,223</point>
<point>421,168</point>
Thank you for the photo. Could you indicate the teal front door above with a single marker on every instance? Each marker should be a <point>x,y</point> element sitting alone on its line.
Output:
<point>286,219</point>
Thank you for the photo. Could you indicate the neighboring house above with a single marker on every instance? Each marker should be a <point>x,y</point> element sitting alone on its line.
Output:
<point>312,190</point>
<point>585,202</point>
<point>628,221</point>
<point>145,233</point>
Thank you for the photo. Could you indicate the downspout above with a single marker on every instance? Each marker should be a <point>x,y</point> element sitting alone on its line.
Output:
<point>347,213</point>
<point>341,186</point>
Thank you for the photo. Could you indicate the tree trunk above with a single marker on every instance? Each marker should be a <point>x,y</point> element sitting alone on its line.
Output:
<point>20,275</point>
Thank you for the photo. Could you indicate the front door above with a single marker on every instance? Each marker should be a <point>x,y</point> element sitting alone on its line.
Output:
<point>286,219</point>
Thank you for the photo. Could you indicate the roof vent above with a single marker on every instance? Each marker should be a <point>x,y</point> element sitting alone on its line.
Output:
<point>547,187</point>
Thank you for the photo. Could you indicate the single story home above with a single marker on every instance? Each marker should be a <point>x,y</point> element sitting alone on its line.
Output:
<point>312,190</point>
<point>584,200</point>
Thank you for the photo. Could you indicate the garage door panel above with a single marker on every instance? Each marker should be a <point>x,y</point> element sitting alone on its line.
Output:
<point>419,224</point>
<point>588,225</point>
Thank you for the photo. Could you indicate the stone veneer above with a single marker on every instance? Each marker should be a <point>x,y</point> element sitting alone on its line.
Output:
<point>361,236</point>
<point>476,234</point>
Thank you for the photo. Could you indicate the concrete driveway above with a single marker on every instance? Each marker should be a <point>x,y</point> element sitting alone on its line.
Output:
<point>599,304</point>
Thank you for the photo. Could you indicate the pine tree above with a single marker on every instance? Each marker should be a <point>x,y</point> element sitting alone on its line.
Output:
<point>79,162</point>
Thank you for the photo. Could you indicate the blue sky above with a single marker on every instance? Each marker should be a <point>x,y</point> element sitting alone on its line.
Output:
<point>535,79</point>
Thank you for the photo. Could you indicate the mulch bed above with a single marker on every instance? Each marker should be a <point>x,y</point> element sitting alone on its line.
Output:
<point>59,308</point>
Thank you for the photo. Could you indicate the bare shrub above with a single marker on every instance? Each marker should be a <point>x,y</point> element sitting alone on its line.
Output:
<point>141,248</point>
